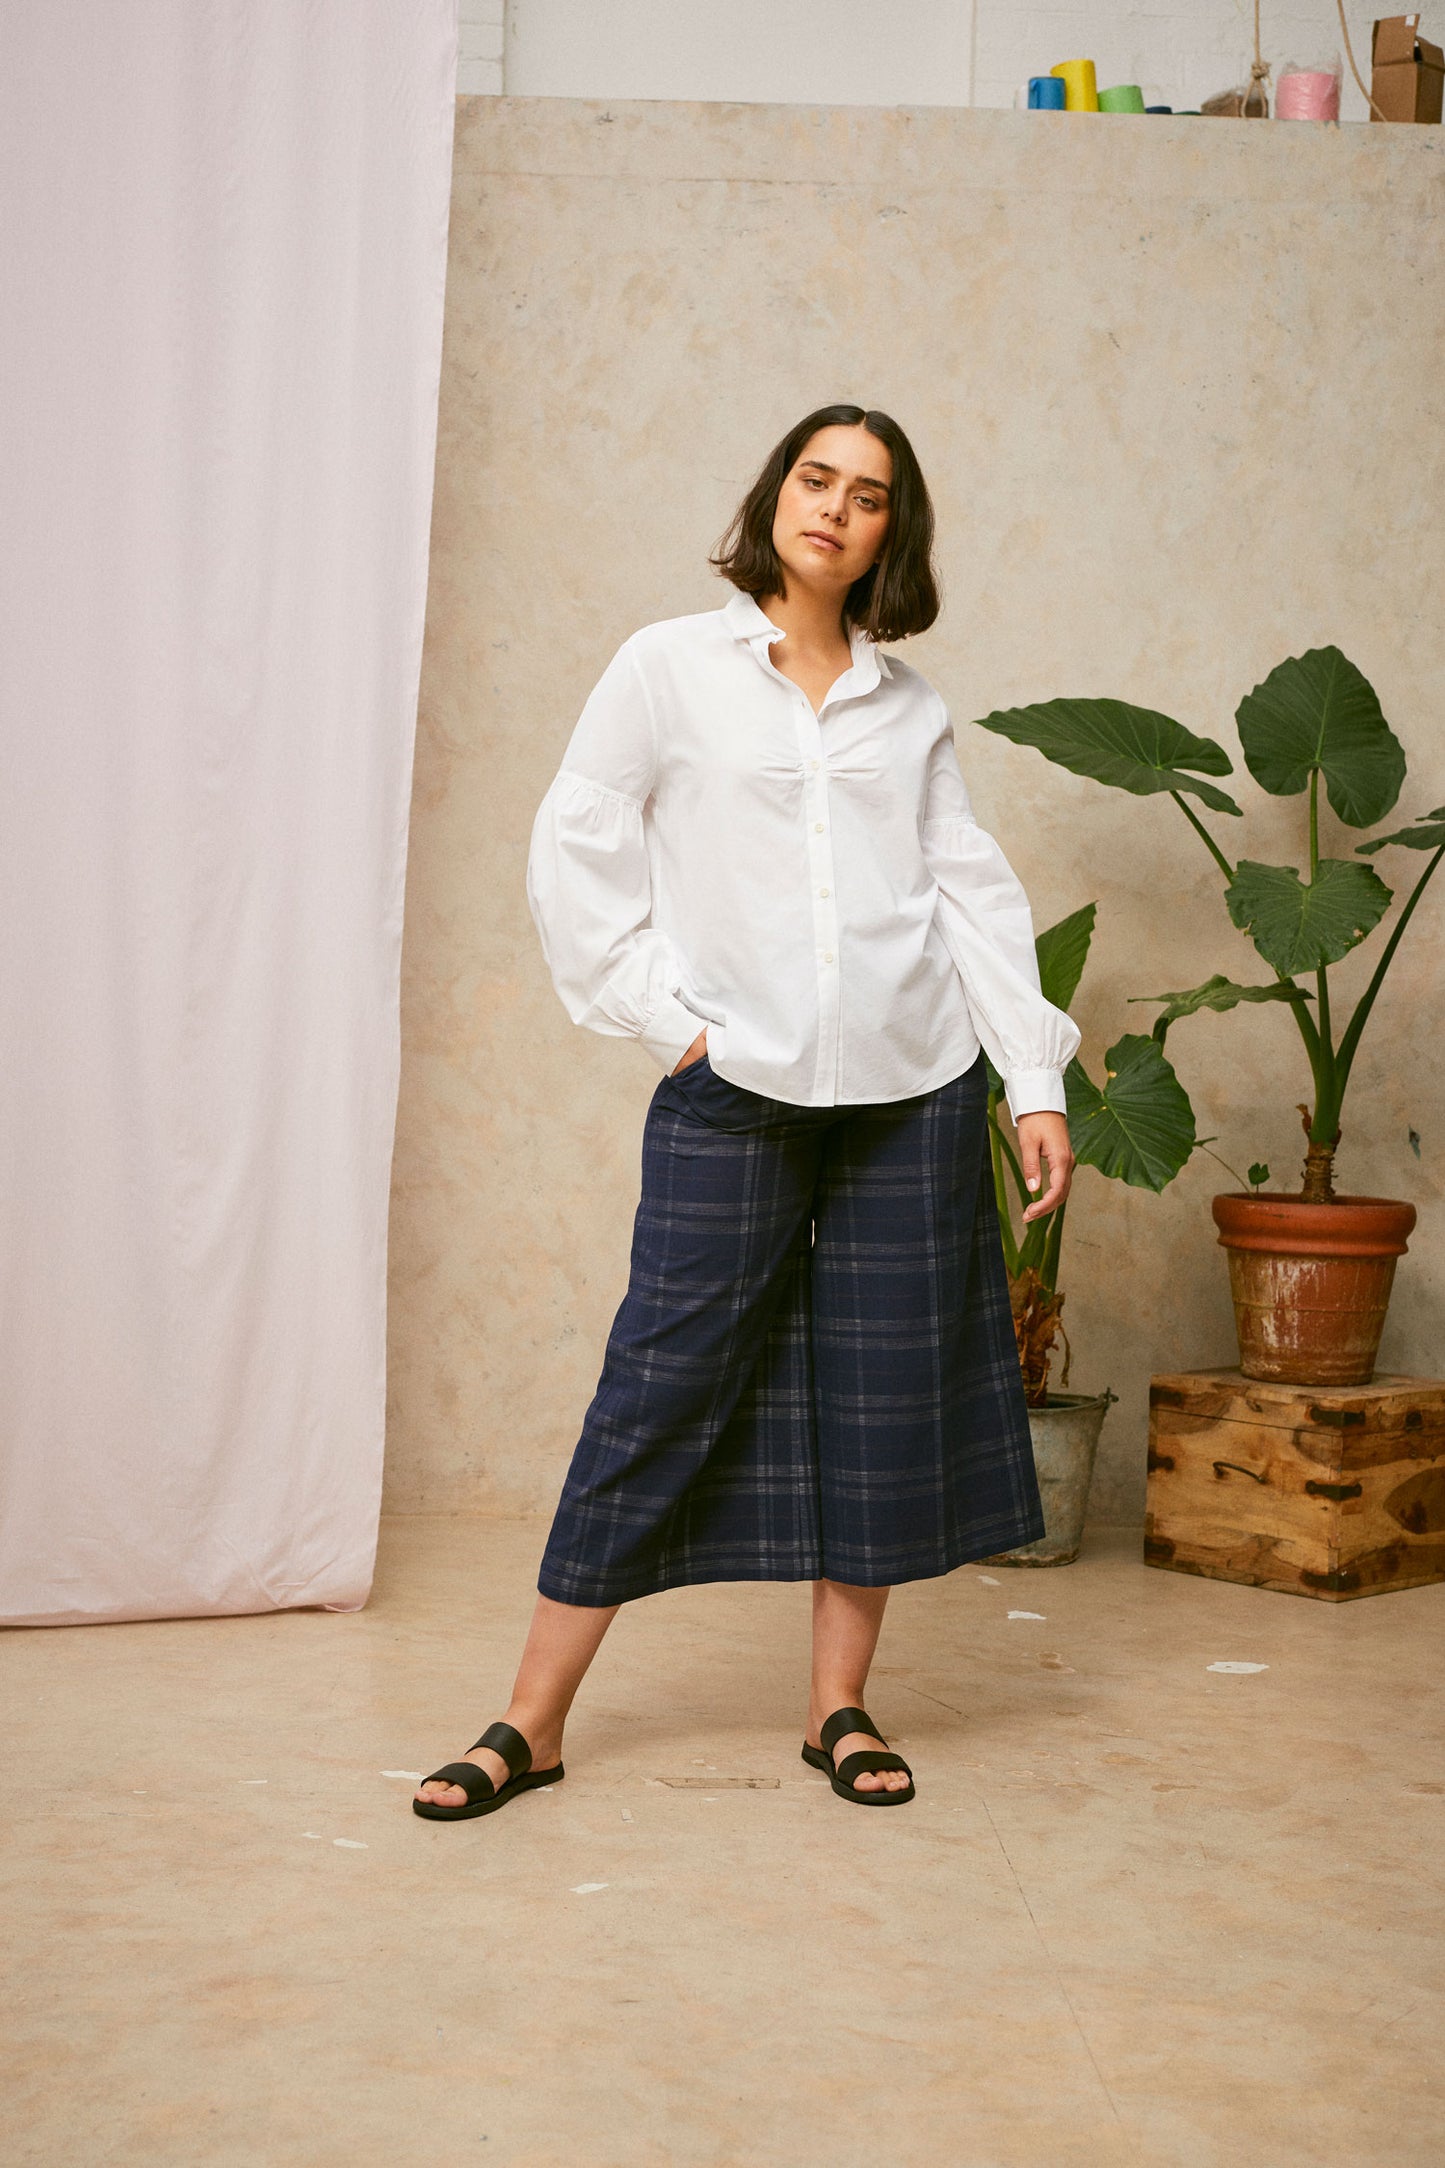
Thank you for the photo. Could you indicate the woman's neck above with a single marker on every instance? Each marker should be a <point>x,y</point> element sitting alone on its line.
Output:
<point>813,622</point>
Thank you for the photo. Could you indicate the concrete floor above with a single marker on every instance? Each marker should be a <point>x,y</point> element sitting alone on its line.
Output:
<point>1142,1910</point>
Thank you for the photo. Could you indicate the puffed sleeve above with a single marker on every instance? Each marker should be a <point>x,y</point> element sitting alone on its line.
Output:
<point>984,917</point>
<point>588,883</point>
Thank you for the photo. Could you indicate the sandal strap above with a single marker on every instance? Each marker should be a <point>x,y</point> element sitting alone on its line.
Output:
<point>853,1765</point>
<point>841,1722</point>
<point>474,1781</point>
<point>503,1739</point>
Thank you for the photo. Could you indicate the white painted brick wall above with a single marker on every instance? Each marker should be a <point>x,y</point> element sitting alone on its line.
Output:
<point>1179,52</point>
<point>481,34</point>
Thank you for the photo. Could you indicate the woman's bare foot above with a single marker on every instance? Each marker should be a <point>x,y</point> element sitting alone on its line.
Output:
<point>543,1736</point>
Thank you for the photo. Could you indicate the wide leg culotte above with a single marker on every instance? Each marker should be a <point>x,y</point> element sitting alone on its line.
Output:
<point>813,1371</point>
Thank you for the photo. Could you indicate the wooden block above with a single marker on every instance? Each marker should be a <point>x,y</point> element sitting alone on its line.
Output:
<point>1331,1490</point>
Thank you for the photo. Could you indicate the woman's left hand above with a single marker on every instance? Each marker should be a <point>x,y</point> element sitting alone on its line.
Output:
<point>1046,1136</point>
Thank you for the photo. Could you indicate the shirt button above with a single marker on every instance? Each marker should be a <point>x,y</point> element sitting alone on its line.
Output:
<point>815,763</point>
<point>828,958</point>
<point>818,828</point>
<point>822,891</point>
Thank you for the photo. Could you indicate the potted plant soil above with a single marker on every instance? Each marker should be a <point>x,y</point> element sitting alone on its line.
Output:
<point>1139,1128</point>
<point>1310,1272</point>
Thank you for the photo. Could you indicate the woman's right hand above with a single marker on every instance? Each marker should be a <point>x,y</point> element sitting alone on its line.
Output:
<point>694,1053</point>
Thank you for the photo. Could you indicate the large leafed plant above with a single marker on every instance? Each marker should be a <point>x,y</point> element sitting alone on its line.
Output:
<point>1138,1127</point>
<point>1315,719</point>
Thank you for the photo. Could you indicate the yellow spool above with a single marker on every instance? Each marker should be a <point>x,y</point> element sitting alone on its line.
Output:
<point>1081,86</point>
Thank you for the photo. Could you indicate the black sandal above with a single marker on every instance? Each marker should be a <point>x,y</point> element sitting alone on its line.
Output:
<point>837,1727</point>
<point>483,1796</point>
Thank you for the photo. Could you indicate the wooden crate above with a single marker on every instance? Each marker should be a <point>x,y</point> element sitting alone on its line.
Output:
<point>1330,1490</point>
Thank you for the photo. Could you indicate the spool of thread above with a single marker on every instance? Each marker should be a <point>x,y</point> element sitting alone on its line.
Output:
<point>1046,94</point>
<point>1307,94</point>
<point>1081,85</point>
<point>1122,98</point>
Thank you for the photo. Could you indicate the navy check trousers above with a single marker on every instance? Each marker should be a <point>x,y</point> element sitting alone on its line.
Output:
<point>813,1371</point>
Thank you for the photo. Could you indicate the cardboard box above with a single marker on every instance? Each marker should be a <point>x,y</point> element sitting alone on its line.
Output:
<point>1409,72</point>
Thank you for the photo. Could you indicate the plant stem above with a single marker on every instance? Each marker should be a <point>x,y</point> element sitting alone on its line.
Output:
<point>1351,1039</point>
<point>1049,1272</point>
<point>1025,1196</point>
<point>1203,833</point>
<point>996,1148</point>
<point>1244,1185</point>
<point>1304,1022</point>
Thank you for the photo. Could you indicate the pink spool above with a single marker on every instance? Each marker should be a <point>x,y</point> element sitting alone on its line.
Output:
<point>1307,94</point>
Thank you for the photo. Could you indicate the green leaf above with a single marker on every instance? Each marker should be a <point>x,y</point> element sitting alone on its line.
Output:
<point>1429,836</point>
<point>1111,742</point>
<point>1318,711</point>
<point>1258,1174</point>
<point>1063,950</point>
<point>1140,1128</point>
<point>1217,993</point>
<point>1298,925</point>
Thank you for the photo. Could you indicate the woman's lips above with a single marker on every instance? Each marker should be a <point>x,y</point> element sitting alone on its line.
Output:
<point>827,540</point>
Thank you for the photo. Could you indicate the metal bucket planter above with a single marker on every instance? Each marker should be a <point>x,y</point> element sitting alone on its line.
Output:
<point>1065,1435</point>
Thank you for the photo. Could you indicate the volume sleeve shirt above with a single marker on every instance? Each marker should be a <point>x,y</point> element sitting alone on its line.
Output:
<point>811,888</point>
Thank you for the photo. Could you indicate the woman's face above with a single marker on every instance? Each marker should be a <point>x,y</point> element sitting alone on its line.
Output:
<point>833,508</point>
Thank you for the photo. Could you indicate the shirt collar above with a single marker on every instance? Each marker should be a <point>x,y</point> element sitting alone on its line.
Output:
<point>747,620</point>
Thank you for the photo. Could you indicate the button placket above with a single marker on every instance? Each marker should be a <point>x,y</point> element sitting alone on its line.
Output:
<point>819,840</point>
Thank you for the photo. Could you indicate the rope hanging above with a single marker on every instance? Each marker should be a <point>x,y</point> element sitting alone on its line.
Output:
<point>1260,68</point>
<point>1349,54</point>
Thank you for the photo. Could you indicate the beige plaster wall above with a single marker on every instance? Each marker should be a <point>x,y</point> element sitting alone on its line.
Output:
<point>1176,384</point>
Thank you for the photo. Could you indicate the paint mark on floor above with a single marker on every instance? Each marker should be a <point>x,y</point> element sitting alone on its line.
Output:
<point>627,1814</point>
<point>718,1784</point>
<point>411,1776</point>
<point>989,1581</point>
<point>1028,1614</point>
<point>351,1844</point>
<point>253,1780</point>
<point>1236,1667</point>
<point>585,1889</point>
<point>315,1836</point>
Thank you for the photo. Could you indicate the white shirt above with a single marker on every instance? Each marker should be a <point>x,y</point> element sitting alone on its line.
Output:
<point>813,888</point>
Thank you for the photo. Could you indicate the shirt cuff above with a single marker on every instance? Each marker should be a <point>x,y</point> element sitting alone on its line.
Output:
<point>670,1031</point>
<point>1035,1091</point>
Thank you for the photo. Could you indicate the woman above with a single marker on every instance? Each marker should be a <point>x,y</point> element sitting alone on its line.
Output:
<point>758,858</point>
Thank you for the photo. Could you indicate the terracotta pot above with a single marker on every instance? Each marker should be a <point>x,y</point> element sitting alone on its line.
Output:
<point>1311,1282</point>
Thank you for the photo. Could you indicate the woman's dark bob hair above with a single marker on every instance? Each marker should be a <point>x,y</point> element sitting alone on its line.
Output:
<point>895,597</point>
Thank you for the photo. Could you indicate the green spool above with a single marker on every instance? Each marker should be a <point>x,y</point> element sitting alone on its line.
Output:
<point>1123,98</point>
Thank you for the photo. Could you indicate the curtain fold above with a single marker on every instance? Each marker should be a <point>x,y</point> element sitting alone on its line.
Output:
<point>223,260</point>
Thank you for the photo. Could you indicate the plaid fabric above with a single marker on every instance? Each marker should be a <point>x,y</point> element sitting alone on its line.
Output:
<point>813,1370</point>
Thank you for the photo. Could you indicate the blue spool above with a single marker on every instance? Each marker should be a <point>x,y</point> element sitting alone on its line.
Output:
<point>1046,94</point>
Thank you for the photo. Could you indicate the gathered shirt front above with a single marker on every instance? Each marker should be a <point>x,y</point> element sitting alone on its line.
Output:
<point>810,887</point>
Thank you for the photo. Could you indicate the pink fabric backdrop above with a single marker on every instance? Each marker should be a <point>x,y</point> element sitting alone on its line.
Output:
<point>222,263</point>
